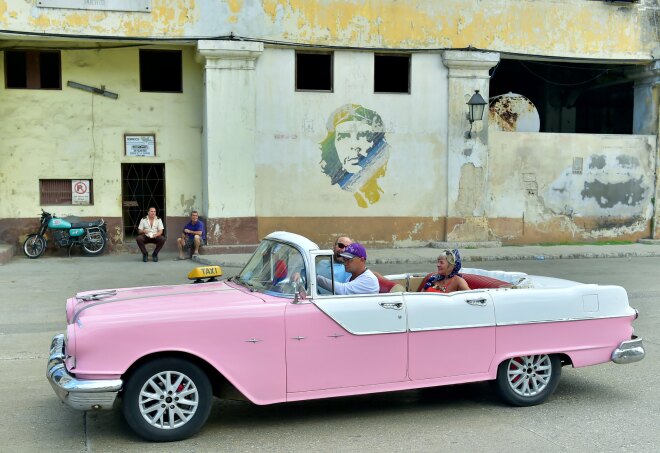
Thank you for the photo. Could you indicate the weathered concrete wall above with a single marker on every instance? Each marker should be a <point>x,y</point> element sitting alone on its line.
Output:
<point>570,187</point>
<point>543,27</point>
<point>297,133</point>
<point>71,134</point>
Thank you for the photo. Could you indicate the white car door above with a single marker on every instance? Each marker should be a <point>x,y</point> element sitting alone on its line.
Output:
<point>450,334</point>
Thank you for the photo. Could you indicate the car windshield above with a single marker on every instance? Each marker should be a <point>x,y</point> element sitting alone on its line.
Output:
<point>275,268</point>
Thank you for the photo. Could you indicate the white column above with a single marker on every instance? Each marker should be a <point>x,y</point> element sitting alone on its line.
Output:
<point>229,128</point>
<point>646,121</point>
<point>467,156</point>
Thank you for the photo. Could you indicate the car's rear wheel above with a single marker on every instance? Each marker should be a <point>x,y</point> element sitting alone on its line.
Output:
<point>528,380</point>
<point>167,399</point>
<point>93,243</point>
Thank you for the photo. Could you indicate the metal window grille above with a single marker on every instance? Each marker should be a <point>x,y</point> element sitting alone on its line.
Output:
<point>58,192</point>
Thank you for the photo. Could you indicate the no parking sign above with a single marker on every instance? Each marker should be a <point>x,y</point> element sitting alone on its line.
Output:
<point>80,191</point>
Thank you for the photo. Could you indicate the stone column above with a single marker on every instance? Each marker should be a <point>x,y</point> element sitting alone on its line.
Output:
<point>228,140</point>
<point>467,156</point>
<point>646,121</point>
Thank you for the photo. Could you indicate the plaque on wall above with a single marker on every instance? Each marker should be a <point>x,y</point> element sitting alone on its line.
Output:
<point>140,145</point>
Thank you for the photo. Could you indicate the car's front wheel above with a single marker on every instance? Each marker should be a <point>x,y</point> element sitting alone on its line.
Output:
<point>528,380</point>
<point>167,399</point>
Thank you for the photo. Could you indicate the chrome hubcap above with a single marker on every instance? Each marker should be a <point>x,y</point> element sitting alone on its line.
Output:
<point>529,375</point>
<point>168,400</point>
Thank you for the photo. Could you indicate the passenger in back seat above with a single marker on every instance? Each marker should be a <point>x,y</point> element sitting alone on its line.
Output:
<point>447,279</point>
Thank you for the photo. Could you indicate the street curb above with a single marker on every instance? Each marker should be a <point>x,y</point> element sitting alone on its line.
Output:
<point>467,257</point>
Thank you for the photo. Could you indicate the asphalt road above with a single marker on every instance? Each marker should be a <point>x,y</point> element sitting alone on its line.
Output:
<point>595,409</point>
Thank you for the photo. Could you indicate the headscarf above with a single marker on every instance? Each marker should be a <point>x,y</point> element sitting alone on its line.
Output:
<point>452,255</point>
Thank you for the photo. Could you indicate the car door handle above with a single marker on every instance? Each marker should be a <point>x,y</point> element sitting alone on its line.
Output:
<point>392,305</point>
<point>478,302</point>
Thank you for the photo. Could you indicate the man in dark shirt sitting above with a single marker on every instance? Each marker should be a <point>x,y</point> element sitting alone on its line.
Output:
<point>194,235</point>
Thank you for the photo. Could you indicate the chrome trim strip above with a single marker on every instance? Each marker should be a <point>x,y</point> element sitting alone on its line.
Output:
<point>462,326</point>
<point>586,318</point>
<point>81,394</point>
<point>630,351</point>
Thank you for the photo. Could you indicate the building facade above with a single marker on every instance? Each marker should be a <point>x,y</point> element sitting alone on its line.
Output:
<point>327,117</point>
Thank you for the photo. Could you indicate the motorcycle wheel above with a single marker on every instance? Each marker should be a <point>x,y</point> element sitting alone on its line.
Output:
<point>34,246</point>
<point>93,244</point>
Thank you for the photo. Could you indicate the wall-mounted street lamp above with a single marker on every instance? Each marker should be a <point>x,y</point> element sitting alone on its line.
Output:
<point>476,104</point>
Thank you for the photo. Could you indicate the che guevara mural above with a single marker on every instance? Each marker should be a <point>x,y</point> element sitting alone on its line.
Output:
<point>354,153</point>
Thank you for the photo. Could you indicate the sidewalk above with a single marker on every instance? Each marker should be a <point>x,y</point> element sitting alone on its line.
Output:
<point>423,255</point>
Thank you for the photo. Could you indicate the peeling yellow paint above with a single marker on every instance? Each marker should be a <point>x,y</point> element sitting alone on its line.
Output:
<point>3,11</point>
<point>77,20</point>
<point>532,25</point>
<point>235,6</point>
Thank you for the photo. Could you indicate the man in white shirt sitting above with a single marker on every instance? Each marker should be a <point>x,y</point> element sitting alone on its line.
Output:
<point>150,231</point>
<point>362,280</point>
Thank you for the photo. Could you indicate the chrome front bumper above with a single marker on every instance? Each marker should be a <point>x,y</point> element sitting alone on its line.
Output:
<point>629,351</point>
<point>81,394</point>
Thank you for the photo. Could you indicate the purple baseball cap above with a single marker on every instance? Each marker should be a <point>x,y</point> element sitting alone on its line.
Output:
<point>354,250</point>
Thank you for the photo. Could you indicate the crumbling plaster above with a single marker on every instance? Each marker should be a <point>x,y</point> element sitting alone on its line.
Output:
<point>609,195</point>
<point>543,27</point>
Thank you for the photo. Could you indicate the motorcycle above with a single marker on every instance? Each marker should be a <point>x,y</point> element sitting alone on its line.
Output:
<point>90,236</point>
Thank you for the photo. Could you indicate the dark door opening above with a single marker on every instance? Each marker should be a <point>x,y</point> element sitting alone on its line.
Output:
<point>142,186</point>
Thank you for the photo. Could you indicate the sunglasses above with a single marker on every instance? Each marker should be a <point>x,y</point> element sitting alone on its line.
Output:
<point>341,246</point>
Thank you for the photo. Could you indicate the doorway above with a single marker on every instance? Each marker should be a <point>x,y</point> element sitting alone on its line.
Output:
<point>142,186</point>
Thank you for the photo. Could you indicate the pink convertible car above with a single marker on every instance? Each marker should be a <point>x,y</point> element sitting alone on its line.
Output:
<point>268,337</point>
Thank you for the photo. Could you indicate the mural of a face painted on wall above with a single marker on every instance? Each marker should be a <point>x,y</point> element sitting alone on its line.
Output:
<point>354,153</point>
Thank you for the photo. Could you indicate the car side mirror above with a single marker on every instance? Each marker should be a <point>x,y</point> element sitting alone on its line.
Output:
<point>300,294</point>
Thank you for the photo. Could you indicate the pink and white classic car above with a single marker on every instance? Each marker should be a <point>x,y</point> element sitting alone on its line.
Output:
<point>268,337</point>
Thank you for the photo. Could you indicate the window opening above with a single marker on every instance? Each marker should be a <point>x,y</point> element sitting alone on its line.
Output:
<point>586,98</point>
<point>391,73</point>
<point>161,71</point>
<point>313,71</point>
<point>33,69</point>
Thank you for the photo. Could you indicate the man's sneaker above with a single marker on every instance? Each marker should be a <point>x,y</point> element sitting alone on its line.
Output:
<point>154,257</point>
<point>145,257</point>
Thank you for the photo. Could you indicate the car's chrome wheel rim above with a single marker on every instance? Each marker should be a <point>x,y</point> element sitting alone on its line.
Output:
<point>529,375</point>
<point>168,400</point>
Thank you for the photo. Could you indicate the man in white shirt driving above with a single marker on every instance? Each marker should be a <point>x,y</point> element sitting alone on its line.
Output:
<point>362,280</point>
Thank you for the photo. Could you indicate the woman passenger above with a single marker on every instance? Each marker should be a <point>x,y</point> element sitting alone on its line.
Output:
<point>447,279</point>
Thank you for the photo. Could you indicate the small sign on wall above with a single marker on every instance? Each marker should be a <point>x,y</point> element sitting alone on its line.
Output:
<point>140,145</point>
<point>80,191</point>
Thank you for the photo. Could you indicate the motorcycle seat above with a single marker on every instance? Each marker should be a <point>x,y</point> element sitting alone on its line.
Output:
<point>95,223</point>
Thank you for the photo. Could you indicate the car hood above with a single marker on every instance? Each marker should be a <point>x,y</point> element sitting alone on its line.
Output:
<point>158,300</point>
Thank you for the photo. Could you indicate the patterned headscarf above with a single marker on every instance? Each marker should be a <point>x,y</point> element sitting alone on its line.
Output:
<point>453,257</point>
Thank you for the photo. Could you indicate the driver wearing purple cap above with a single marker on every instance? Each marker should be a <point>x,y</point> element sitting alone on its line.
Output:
<point>362,280</point>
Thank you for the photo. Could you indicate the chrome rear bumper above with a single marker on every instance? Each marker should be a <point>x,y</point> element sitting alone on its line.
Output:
<point>629,351</point>
<point>81,394</point>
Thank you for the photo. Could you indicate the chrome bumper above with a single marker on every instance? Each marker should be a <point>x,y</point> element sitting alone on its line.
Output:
<point>629,351</point>
<point>81,394</point>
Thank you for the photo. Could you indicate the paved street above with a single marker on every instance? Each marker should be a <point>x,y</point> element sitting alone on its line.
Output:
<point>602,408</point>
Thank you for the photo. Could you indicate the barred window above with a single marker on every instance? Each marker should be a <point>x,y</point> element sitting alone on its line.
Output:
<point>60,192</point>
